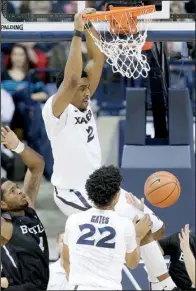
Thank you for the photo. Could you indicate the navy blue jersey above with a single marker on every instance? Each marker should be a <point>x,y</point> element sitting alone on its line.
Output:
<point>25,258</point>
<point>177,269</point>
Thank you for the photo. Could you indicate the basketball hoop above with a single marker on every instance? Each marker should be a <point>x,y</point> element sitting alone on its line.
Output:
<point>122,34</point>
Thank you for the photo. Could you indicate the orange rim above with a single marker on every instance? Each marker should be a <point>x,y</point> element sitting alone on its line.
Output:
<point>135,11</point>
<point>122,20</point>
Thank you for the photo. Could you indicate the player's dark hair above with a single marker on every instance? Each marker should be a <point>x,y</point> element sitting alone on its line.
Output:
<point>60,77</point>
<point>3,180</point>
<point>103,185</point>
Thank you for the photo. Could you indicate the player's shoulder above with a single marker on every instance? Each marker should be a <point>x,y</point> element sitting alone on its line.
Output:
<point>79,216</point>
<point>123,223</point>
<point>70,107</point>
<point>123,220</point>
<point>48,101</point>
<point>172,240</point>
<point>48,105</point>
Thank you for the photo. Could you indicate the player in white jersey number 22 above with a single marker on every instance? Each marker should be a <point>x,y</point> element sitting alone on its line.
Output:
<point>72,131</point>
<point>98,241</point>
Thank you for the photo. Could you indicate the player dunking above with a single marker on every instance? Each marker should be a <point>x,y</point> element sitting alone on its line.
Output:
<point>24,252</point>
<point>98,241</point>
<point>72,131</point>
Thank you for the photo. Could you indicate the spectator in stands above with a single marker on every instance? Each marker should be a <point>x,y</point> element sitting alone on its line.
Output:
<point>27,95</point>
<point>15,77</point>
<point>59,55</point>
<point>10,7</point>
<point>98,5</point>
<point>38,58</point>
<point>63,6</point>
<point>57,279</point>
<point>16,5</point>
<point>37,7</point>
<point>40,7</point>
<point>16,82</point>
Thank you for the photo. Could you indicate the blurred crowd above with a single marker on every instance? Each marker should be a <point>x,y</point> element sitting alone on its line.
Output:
<point>70,7</point>
<point>42,7</point>
<point>28,79</point>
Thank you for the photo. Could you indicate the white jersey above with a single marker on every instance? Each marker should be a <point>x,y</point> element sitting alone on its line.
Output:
<point>98,241</point>
<point>75,145</point>
<point>57,278</point>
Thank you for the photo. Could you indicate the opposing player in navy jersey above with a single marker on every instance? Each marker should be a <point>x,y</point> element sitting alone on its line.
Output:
<point>24,247</point>
<point>72,131</point>
<point>181,248</point>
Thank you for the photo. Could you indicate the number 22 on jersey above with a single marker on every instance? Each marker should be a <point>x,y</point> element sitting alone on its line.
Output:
<point>105,236</point>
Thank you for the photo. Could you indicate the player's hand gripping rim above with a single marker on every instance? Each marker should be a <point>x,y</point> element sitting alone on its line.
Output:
<point>78,20</point>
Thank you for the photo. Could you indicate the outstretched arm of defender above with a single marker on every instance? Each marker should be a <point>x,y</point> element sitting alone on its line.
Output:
<point>31,159</point>
<point>96,61</point>
<point>72,73</point>
<point>189,258</point>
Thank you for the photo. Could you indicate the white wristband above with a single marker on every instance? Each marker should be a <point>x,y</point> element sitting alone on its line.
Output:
<point>20,148</point>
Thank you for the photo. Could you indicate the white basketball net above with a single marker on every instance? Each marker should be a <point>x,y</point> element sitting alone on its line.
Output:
<point>123,51</point>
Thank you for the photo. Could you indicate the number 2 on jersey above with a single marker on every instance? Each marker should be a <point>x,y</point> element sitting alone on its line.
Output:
<point>103,242</point>
<point>90,133</point>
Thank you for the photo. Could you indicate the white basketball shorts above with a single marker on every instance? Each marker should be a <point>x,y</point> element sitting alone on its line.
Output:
<point>73,201</point>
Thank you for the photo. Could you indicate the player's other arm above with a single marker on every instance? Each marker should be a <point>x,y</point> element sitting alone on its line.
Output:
<point>6,231</point>
<point>96,61</point>
<point>189,261</point>
<point>189,258</point>
<point>139,204</point>
<point>72,72</point>
<point>134,239</point>
<point>66,262</point>
<point>132,257</point>
<point>31,159</point>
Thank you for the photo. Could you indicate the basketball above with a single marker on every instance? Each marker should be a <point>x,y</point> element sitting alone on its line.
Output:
<point>162,189</point>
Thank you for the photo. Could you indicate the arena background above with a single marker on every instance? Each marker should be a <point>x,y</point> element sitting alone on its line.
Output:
<point>109,105</point>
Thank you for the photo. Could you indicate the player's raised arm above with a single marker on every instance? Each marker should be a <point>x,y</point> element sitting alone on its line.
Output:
<point>31,159</point>
<point>189,258</point>
<point>72,72</point>
<point>96,61</point>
